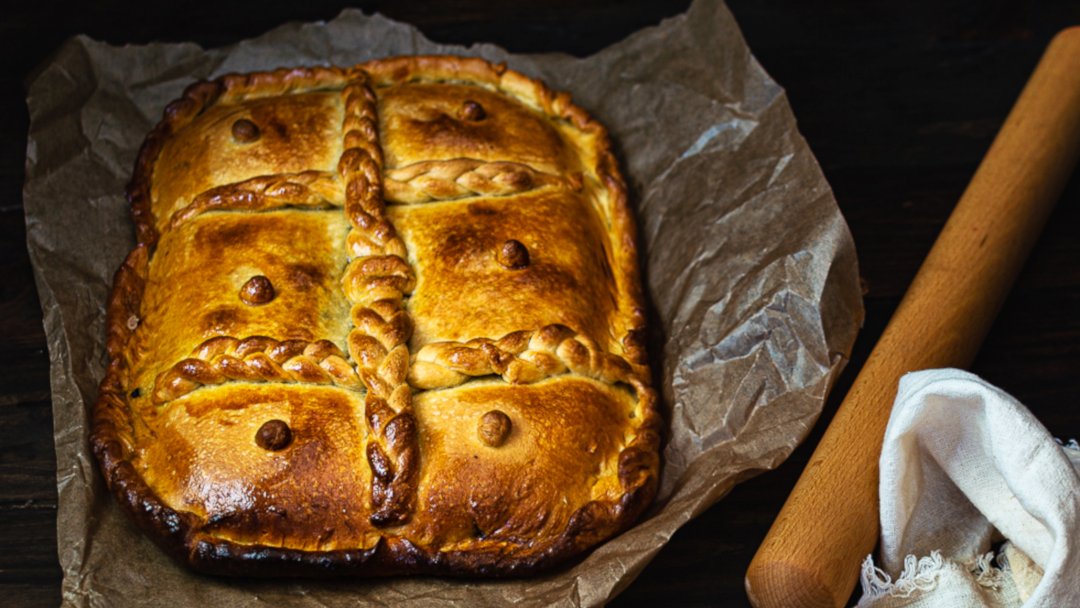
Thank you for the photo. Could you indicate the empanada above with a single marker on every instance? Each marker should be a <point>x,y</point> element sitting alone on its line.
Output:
<point>384,319</point>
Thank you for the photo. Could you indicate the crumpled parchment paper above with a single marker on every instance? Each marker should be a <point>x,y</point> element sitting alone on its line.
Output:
<point>749,267</point>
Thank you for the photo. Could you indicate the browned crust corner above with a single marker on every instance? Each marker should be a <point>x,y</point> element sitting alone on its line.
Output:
<point>179,533</point>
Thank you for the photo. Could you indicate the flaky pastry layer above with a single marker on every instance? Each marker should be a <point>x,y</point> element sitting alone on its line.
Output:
<point>382,319</point>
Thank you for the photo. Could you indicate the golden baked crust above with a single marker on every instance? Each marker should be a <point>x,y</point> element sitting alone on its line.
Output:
<point>384,319</point>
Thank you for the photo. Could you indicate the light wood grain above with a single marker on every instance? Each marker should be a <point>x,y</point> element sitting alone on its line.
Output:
<point>829,523</point>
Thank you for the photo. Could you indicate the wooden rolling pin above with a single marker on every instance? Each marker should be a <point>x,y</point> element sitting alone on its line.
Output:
<point>829,523</point>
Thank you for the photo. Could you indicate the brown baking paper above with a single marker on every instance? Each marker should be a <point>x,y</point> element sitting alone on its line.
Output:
<point>749,267</point>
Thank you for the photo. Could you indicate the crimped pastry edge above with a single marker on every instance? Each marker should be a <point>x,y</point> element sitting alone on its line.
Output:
<point>179,533</point>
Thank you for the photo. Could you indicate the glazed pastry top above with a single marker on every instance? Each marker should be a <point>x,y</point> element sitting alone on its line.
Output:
<point>380,319</point>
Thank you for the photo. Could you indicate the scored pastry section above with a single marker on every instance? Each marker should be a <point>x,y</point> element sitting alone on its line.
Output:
<point>513,280</point>
<point>246,405</point>
<point>386,318</point>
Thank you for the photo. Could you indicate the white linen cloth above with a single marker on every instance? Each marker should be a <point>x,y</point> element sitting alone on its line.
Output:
<point>963,466</point>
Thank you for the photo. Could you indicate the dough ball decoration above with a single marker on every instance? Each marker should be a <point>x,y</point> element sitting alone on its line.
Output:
<point>244,131</point>
<point>413,348</point>
<point>513,255</point>
<point>274,435</point>
<point>494,428</point>
<point>257,290</point>
<point>472,111</point>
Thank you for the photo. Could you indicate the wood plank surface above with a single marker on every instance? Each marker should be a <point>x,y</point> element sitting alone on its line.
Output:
<point>899,102</point>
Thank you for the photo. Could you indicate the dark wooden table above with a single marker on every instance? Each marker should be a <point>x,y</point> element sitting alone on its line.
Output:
<point>898,100</point>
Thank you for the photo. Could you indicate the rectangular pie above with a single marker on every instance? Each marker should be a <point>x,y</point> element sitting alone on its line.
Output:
<point>382,319</point>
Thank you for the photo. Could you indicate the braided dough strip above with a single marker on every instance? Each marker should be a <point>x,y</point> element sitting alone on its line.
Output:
<point>255,359</point>
<point>304,189</point>
<point>375,282</point>
<point>521,357</point>
<point>428,181</point>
